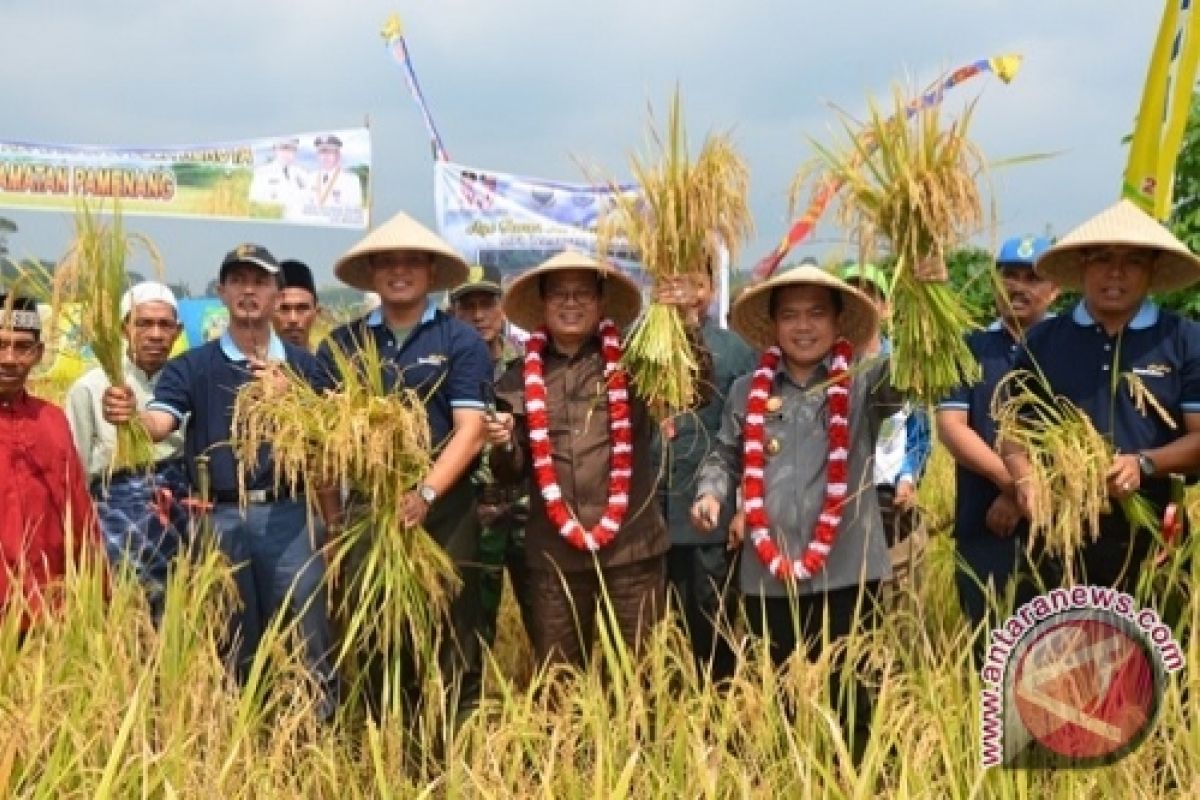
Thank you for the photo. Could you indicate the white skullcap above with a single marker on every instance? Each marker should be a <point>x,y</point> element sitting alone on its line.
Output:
<point>147,292</point>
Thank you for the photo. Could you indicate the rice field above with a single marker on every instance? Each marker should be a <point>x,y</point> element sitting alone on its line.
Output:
<point>97,703</point>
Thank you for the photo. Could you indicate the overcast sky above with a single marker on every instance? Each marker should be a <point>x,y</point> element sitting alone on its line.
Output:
<point>538,86</point>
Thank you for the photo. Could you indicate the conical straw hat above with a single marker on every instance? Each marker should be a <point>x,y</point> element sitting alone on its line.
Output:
<point>751,317</point>
<point>1121,224</point>
<point>401,232</point>
<point>524,307</point>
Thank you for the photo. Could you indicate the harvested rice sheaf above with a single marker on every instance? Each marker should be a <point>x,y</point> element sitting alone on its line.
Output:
<point>1069,462</point>
<point>910,189</point>
<point>392,582</point>
<point>94,276</point>
<point>685,213</point>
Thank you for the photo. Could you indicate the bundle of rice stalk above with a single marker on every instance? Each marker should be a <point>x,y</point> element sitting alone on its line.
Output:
<point>911,183</point>
<point>376,443</point>
<point>685,212</point>
<point>93,275</point>
<point>1069,462</point>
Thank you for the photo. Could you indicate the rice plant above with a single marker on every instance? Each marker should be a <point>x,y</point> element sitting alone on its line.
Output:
<point>685,212</point>
<point>94,274</point>
<point>96,703</point>
<point>910,185</point>
<point>1069,462</point>
<point>391,584</point>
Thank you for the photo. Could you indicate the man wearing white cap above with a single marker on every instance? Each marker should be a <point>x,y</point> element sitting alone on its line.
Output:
<point>130,502</point>
<point>1102,356</point>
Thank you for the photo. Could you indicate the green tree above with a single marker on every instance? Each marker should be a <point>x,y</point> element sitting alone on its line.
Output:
<point>1185,210</point>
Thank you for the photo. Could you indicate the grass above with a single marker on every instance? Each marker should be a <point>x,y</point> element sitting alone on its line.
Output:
<point>99,704</point>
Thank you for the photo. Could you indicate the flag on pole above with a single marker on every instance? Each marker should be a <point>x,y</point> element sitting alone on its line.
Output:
<point>1004,67</point>
<point>393,36</point>
<point>1163,113</point>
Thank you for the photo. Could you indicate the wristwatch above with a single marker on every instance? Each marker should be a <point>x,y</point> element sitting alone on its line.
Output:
<point>1146,465</point>
<point>427,493</point>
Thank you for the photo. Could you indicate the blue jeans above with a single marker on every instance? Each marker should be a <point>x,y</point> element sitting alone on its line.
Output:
<point>278,568</point>
<point>144,525</point>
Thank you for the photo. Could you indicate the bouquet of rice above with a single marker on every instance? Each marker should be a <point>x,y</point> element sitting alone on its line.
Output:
<point>376,443</point>
<point>1069,462</point>
<point>93,277</point>
<point>909,183</point>
<point>685,212</point>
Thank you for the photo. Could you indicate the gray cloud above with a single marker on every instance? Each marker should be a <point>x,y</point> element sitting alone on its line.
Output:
<point>538,86</point>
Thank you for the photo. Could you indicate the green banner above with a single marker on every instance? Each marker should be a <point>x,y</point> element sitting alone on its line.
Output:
<point>320,178</point>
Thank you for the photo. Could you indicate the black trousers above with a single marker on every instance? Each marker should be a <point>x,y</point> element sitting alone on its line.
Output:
<point>789,623</point>
<point>454,525</point>
<point>700,583</point>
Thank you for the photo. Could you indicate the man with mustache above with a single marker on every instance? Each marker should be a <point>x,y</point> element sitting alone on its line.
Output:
<point>1112,348</point>
<point>989,534</point>
<point>46,515</point>
<point>267,531</point>
<point>143,524</point>
<point>298,306</point>
<point>502,510</point>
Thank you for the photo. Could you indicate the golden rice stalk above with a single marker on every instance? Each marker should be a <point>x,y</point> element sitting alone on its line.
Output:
<point>685,212</point>
<point>1069,462</point>
<point>93,274</point>
<point>377,444</point>
<point>910,184</point>
<point>1145,401</point>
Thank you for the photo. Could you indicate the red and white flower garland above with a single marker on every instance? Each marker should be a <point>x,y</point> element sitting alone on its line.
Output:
<point>620,433</point>
<point>836,471</point>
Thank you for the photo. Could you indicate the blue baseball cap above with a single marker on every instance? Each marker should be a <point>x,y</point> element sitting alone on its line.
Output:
<point>1021,251</point>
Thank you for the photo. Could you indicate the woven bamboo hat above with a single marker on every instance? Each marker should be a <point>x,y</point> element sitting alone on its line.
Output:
<point>1121,224</point>
<point>751,317</point>
<point>401,232</point>
<point>524,307</point>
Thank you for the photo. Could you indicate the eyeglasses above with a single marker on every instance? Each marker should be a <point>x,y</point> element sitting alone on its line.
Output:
<point>561,297</point>
<point>1129,259</point>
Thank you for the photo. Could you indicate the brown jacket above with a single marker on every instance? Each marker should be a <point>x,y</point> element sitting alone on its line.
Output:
<point>577,406</point>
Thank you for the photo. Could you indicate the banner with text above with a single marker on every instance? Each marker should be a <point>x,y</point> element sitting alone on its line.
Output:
<point>320,178</point>
<point>514,222</point>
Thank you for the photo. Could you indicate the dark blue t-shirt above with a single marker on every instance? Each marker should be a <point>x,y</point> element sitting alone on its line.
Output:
<point>996,351</point>
<point>1089,367</point>
<point>200,387</point>
<point>443,359</point>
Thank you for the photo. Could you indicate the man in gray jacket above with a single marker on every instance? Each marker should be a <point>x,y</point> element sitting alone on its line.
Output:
<point>812,561</point>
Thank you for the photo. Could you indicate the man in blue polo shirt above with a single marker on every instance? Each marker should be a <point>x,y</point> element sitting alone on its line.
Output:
<point>989,535</point>
<point>446,362</point>
<point>268,533</point>
<point>1097,356</point>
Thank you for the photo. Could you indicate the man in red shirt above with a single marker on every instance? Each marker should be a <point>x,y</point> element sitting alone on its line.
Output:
<point>45,511</point>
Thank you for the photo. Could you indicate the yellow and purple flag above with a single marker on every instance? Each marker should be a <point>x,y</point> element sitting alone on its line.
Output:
<point>1163,114</point>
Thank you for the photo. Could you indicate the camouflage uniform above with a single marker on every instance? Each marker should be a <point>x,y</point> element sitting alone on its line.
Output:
<point>502,512</point>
